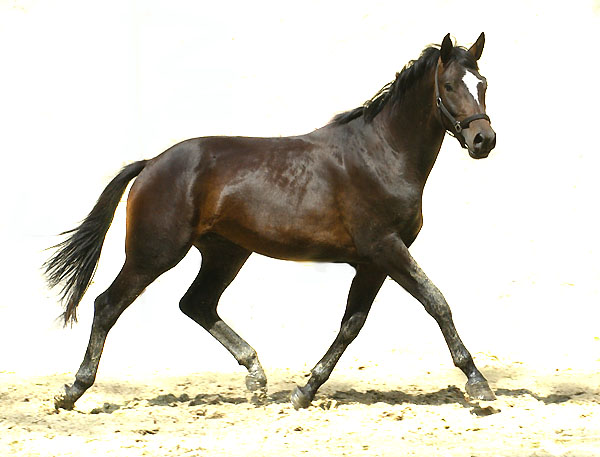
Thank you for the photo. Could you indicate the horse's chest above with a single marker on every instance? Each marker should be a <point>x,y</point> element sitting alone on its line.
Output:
<point>404,216</point>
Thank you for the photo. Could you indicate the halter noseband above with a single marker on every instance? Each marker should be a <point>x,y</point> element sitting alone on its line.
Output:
<point>458,126</point>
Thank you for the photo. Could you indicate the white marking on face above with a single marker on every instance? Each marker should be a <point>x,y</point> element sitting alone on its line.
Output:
<point>472,81</point>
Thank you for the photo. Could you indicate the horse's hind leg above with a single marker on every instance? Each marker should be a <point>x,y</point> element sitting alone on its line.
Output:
<point>221,262</point>
<point>108,306</point>
<point>365,286</point>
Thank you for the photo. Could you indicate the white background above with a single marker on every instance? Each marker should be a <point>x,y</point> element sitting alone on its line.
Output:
<point>512,241</point>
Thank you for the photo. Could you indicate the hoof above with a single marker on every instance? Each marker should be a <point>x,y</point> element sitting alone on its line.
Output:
<point>62,400</point>
<point>257,390</point>
<point>480,390</point>
<point>299,399</point>
<point>254,383</point>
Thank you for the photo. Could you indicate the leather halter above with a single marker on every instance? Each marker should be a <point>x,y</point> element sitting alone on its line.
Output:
<point>458,126</point>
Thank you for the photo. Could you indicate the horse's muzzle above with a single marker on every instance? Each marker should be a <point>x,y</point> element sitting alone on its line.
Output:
<point>482,143</point>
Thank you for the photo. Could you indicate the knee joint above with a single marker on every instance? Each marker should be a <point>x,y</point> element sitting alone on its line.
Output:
<point>351,328</point>
<point>439,310</point>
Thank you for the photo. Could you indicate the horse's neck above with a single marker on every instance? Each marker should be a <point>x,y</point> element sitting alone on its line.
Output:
<point>412,130</point>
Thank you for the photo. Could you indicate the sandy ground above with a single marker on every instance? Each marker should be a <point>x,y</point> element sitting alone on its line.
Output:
<point>362,411</point>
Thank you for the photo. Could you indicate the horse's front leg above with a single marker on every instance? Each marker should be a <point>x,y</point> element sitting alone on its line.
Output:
<point>392,256</point>
<point>365,286</point>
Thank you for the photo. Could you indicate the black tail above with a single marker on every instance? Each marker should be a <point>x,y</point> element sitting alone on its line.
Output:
<point>74,263</point>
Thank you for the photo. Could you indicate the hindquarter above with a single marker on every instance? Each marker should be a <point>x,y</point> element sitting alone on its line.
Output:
<point>160,209</point>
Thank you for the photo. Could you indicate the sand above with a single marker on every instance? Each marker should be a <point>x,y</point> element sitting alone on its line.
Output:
<point>362,410</point>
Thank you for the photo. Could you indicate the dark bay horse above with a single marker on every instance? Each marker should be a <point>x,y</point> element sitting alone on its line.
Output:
<point>348,192</point>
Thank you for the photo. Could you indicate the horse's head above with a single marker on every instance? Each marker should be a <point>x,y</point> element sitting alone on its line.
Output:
<point>460,97</point>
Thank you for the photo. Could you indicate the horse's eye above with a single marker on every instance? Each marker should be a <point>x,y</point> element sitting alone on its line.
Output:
<point>448,87</point>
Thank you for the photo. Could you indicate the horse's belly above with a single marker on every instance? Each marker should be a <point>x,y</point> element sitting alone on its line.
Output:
<point>293,239</point>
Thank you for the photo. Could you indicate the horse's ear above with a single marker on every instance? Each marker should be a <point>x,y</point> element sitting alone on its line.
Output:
<point>477,49</point>
<point>446,49</point>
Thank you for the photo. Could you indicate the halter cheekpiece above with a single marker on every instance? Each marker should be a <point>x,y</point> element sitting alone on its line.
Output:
<point>458,126</point>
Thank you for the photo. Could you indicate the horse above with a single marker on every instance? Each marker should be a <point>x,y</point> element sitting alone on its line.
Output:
<point>349,192</point>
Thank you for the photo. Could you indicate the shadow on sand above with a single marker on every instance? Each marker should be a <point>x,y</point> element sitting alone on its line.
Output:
<point>450,395</point>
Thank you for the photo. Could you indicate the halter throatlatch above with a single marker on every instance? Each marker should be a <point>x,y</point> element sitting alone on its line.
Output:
<point>458,126</point>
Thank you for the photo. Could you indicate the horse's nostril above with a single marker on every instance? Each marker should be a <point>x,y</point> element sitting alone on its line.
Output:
<point>478,139</point>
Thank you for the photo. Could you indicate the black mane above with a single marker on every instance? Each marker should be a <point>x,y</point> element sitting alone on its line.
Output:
<point>412,72</point>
